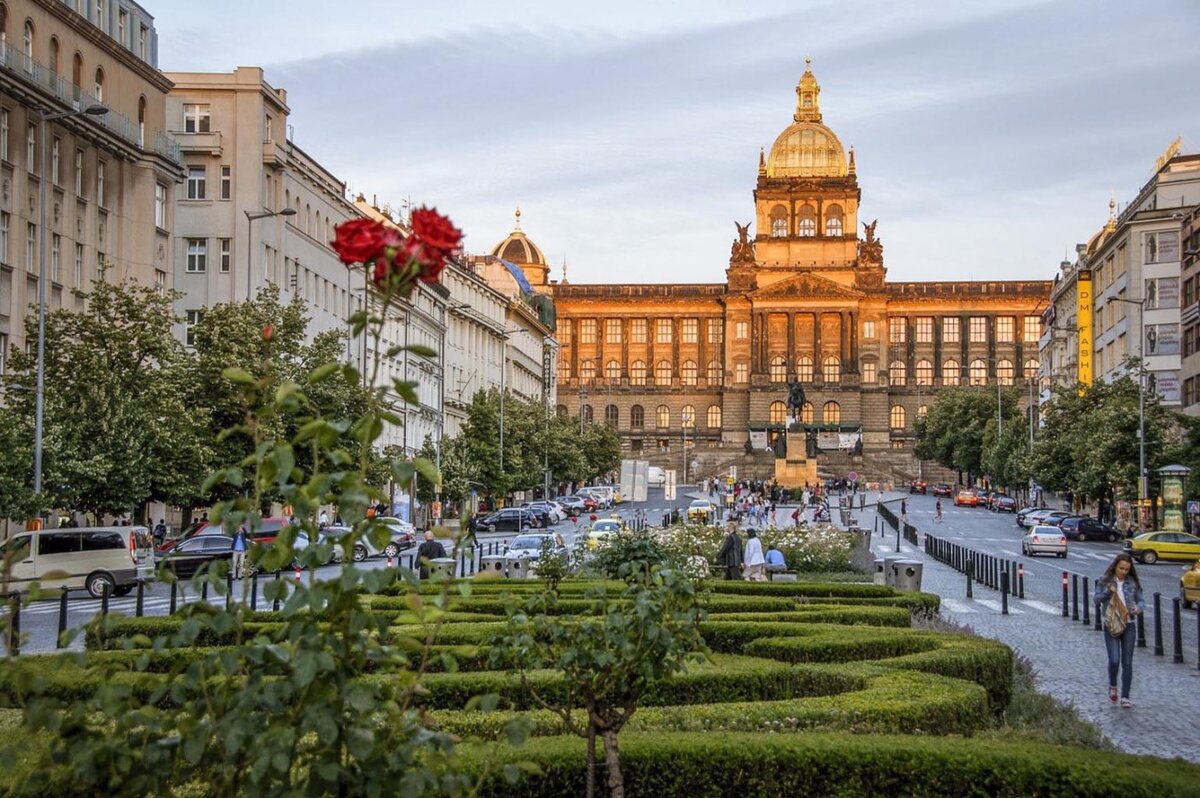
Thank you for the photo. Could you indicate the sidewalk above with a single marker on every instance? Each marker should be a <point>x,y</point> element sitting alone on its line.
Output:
<point>1069,660</point>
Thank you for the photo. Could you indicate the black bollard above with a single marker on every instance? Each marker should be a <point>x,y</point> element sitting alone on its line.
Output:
<point>104,598</point>
<point>1177,637</point>
<point>1087,602</point>
<point>970,575</point>
<point>1074,597</point>
<point>1198,638</point>
<point>140,607</point>
<point>275,603</point>
<point>1004,592</point>
<point>1021,580</point>
<point>174,591</point>
<point>254,591</point>
<point>62,617</point>
<point>462,566</point>
<point>229,589</point>
<point>15,628</point>
<point>1141,630</point>
<point>204,589</point>
<point>1158,638</point>
<point>1066,607</point>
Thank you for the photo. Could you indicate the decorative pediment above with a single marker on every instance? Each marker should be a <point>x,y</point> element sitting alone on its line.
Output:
<point>803,286</point>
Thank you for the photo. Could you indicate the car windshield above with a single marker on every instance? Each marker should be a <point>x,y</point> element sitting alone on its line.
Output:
<point>605,526</point>
<point>700,503</point>
<point>533,542</point>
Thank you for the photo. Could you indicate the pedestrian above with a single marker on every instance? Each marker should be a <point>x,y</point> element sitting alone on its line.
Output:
<point>937,512</point>
<point>775,561</point>
<point>239,552</point>
<point>429,550</point>
<point>1119,596</point>
<point>160,531</point>
<point>730,554</point>
<point>323,520</point>
<point>754,558</point>
<point>774,517</point>
<point>796,517</point>
<point>472,528</point>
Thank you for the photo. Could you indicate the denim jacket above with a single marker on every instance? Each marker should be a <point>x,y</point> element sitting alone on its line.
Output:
<point>1129,591</point>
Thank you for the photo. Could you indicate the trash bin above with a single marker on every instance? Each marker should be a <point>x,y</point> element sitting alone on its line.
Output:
<point>889,572</point>
<point>492,564</point>
<point>516,567</point>
<point>880,576</point>
<point>906,575</point>
<point>441,566</point>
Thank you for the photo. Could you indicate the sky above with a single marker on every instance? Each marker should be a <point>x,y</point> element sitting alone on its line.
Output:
<point>989,135</point>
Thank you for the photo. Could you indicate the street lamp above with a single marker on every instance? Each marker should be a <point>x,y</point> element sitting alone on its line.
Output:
<point>251,218</point>
<point>1142,487</point>
<point>95,109</point>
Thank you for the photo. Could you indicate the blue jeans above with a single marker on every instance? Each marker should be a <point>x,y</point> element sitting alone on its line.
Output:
<point>1120,657</point>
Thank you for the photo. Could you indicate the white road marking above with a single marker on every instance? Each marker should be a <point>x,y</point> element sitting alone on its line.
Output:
<point>954,605</point>
<point>994,604</point>
<point>1041,606</point>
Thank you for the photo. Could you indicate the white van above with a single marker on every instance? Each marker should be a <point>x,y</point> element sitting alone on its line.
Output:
<point>656,477</point>
<point>94,558</point>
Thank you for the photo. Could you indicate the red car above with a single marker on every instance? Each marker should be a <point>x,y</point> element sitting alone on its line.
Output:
<point>942,489</point>
<point>966,498</point>
<point>268,529</point>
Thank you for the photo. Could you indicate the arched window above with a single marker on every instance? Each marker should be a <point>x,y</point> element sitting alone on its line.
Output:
<point>564,371</point>
<point>637,372</point>
<point>951,373</point>
<point>587,369</point>
<point>99,88</point>
<point>687,416</point>
<point>833,221</point>
<point>307,218</point>
<point>612,371</point>
<point>54,54</point>
<point>806,221</point>
<point>1004,371</point>
<point>3,23</point>
<point>612,416</point>
<point>561,411</point>
<point>662,373</point>
<point>637,417</point>
<point>778,412</point>
<point>142,121</point>
<point>804,369</point>
<point>922,411</point>
<point>897,374</point>
<point>77,72</point>
<point>978,372</point>
<point>897,418</point>
<point>924,372</point>
<point>689,372</point>
<point>778,369</point>
<point>1031,369</point>
<point>806,413</point>
<point>662,417</point>
<point>779,221</point>
<point>831,413</point>
<point>831,369</point>
<point>714,416</point>
<point>587,413</point>
<point>27,44</point>
<point>714,373</point>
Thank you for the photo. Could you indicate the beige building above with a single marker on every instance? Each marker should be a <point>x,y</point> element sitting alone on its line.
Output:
<point>109,180</point>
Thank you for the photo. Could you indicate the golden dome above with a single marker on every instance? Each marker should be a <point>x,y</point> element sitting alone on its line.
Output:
<point>807,148</point>
<point>517,248</point>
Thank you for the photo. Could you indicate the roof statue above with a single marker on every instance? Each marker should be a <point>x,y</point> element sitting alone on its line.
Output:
<point>743,247</point>
<point>870,249</point>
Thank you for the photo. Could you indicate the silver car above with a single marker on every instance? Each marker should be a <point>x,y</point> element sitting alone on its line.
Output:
<point>1044,539</point>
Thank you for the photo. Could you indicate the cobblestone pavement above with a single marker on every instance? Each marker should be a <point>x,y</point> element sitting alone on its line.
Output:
<point>1070,663</point>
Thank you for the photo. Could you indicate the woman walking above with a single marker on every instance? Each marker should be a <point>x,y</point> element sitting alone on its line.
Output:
<point>754,558</point>
<point>1119,596</point>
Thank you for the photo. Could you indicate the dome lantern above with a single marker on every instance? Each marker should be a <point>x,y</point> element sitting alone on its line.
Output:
<point>807,148</point>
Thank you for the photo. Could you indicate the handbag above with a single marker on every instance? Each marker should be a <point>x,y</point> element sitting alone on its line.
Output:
<point>1116,616</point>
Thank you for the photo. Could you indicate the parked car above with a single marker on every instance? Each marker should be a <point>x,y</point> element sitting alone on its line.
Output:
<point>540,512</point>
<point>701,510</point>
<point>983,498</point>
<point>603,494</point>
<point>112,558</point>
<point>1081,527</point>
<point>942,489</point>
<point>266,532</point>
<point>399,539</point>
<point>1024,515</point>
<point>1044,540</point>
<point>529,546</point>
<point>1045,517</point>
<point>510,519</point>
<point>966,498</point>
<point>918,486</point>
<point>574,505</point>
<point>1003,504</point>
<point>1189,586</point>
<point>602,530</point>
<point>1150,547</point>
<point>185,559</point>
<point>552,509</point>
<point>590,505</point>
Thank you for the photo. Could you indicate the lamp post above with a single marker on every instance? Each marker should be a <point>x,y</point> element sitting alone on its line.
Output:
<point>251,218</point>
<point>95,109</point>
<point>1142,487</point>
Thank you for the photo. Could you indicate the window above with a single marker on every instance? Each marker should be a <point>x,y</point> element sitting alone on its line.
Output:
<point>951,373</point>
<point>587,369</point>
<point>612,416</point>
<point>778,412</point>
<point>197,118</point>
<point>831,370</point>
<point>714,373</point>
<point>687,416</point>
<point>637,417</point>
<point>662,373</point>
<point>192,318</point>
<point>226,249</point>
<point>79,173</point>
<point>79,265</point>
<point>196,179</point>
<point>869,372</point>
<point>691,331</point>
<point>950,330</point>
<point>897,330</point>
<point>741,373</point>
<point>1033,329</point>
<point>1005,329</point>
<point>27,45</point>
<point>637,372</point>
<point>143,37</point>
<point>741,330</point>
<point>612,371</point>
<point>55,147</point>
<point>5,222</point>
<point>564,372</point>
<point>922,411</point>
<point>662,331</point>
<point>833,221</point>
<point>226,182</point>
<point>3,353</point>
<point>924,329</point>
<point>4,134</point>
<point>100,178</point>
<point>55,248</point>
<point>637,331</point>
<point>267,136</point>
<point>897,374</point>
<point>831,413</point>
<point>897,417</point>
<point>587,413</point>
<point>869,330</point>
<point>123,27</point>
<point>160,281</point>
<point>662,416</point>
<point>804,369</point>
<point>197,255</point>
<point>806,221</point>
<point>31,149</point>
<point>778,369</point>
<point>779,227</point>
<point>160,205</point>
<point>30,247</point>
<point>1004,371</point>
<point>979,329</point>
<point>714,417</point>
<point>715,331</point>
<point>978,372</point>
<point>924,372</point>
<point>587,331</point>
<point>1031,369</point>
<point>101,17</point>
<point>689,372</point>
<point>612,331</point>
<point>98,89</point>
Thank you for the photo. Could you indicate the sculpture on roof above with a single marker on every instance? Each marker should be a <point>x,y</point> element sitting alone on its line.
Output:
<point>743,247</point>
<point>870,249</point>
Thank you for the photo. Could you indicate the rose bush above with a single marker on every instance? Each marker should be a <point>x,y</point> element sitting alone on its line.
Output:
<point>816,549</point>
<point>395,262</point>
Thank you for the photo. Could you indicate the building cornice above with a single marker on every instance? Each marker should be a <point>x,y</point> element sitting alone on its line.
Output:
<point>92,33</point>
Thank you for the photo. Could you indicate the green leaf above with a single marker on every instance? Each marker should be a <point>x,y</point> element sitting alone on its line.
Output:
<point>322,372</point>
<point>238,375</point>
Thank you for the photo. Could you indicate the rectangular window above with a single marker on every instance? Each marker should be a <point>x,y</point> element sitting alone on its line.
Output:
<point>662,331</point>
<point>587,331</point>
<point>160,205</point>
<point>924,329</point>
<point>196,118</point>
<point>691,331</point>
<point>79,173</point>
<point>869,374</point>
<point>868,330</point>
<point>55,154</point>
<point>5,221</point>
<point>227,182</point>
<point>950,330</point>
<point>55,247</point>
<point>716,329</point>
<point>741,330</point>
<point>197,255</point>
<point>612,331</point>
<point>741,372</point>
<point>267,127</point>
<point>4,134</point>
<point>79,265</point>
<point>30,247</point>
<point>101,17</point>
<point>1033,329</point>
<point>226,255</point>
<point>100,264</point>
<point>197,176</point>
<point>897,330</point>
<point>100,165</point>
<point>143,39</point>
<point>564,330</point>
<point>979,329</point>
<point>3,353</point>
<point>638,331</point>
<point>31,149</point>
<point>193,317</point>
<point>123,28</point>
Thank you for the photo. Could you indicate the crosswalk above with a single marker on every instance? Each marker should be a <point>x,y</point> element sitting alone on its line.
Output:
<point>125,606</point>
<point>1015,606</point>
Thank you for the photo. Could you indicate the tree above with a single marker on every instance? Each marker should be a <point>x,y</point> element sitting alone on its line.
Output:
<point>952,433</point>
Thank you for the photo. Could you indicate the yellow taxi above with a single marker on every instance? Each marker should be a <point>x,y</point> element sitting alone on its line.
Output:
<point>966,498</point>
<point>602,530</point>
<point>1150,547</point>
<point>1189,586</point>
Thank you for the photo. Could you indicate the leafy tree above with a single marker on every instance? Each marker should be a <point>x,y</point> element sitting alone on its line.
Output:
<point>952,433</point>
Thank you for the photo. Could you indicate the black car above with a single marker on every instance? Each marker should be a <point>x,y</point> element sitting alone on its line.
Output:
<point>1081,527</point>
<point>187,558</point>
<point>1003,504</point>
<point>919,486</point>
<point>942,489</point>
<point>510,519</point>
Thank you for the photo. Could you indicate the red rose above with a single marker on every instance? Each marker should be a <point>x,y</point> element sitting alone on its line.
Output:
<point>268,333</point>
<point>360,240</point>
<point>436,231</point>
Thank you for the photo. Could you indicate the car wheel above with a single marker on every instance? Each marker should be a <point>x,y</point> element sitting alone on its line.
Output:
<point>391,550</point>
<point>123,590</point>
<point>98,583</point>
<point>1112,537</point>
<point>1082,536</point>
<point>1149,558</point>
<point>360,552</point>
<point>491,527</point>
<point>1183,599</point>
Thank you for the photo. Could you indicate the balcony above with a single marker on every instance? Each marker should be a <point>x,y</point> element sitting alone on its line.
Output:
<point>199,143</point>
<point>274,155</point>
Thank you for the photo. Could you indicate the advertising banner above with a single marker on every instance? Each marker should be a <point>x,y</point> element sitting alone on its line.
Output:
<point>1084,298</point>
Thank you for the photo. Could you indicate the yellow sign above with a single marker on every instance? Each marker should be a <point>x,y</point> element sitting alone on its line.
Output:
<point>1171,151</point>
<point>1083,315</point>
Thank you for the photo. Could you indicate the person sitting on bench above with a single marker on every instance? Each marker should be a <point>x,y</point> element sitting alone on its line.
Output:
<point>775,561</point>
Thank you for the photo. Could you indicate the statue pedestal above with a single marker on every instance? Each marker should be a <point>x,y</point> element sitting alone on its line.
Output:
<point>796,470</point>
